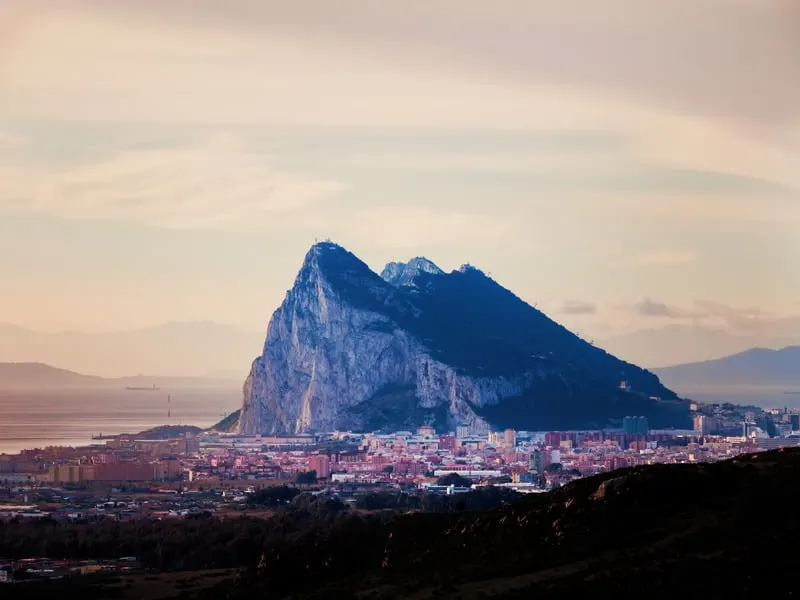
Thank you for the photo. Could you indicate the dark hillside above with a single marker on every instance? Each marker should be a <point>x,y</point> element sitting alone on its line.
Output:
<point>473,324</point>
<point>713,530</point>
<point>724,530</point>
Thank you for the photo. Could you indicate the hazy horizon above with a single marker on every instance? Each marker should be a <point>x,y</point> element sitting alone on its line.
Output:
<point>626,167</point>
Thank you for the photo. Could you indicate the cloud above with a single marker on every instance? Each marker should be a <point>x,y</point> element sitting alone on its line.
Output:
<point>443,65</point>
<point>741,320</point>
<point>659,53</point>
<point>211,184</point>
<point>640,52</point>
<point>651,308</point>
<point>578,307</point>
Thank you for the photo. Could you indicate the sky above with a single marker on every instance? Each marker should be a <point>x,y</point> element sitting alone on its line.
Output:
<point>626,165</point>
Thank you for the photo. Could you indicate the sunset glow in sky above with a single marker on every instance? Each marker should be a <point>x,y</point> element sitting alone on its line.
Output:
<point>625,164</point>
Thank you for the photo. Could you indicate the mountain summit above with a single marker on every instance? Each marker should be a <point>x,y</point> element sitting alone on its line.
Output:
<point>349,349</point>
<point>403,274</point>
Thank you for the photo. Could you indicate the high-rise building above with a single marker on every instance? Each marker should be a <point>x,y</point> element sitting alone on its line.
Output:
<point>794,420</point>
<point>538,461</point>
<point>635,426</point>
<point>321,464</point>
<point>702,424</point>
<point>553,439</point>
<point>510,438</point>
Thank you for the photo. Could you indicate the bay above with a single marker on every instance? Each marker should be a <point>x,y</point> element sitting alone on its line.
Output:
<point>35,419</point>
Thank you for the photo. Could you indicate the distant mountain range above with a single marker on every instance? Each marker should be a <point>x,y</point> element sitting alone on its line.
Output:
<point>38,376</point>
<point>680,344</point>
<point>753,367</point>
<point>196,349</point>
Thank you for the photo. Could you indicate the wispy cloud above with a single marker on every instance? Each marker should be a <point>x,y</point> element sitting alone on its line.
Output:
<point>652,308</point>
<point>745,320</point>
<point>622,47</point>
<point>738,318</point>
<point>215,183</point>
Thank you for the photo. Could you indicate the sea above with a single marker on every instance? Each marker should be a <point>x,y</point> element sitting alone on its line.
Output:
<point>36,419</point>
<point>760,396</point>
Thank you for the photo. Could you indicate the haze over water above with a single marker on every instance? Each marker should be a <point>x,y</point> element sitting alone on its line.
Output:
<point>31,419</point>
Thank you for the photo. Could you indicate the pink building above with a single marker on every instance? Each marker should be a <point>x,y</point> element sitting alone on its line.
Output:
<point>321,464</point>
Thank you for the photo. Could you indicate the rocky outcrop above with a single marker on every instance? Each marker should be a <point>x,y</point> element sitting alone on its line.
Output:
<point>405,274</point>
<point>348,349</point>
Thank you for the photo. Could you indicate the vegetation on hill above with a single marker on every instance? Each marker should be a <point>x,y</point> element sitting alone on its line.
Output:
<point>165,432</point>
<point>229,423</point>
<point>663,531</point>
<point>724,530</point>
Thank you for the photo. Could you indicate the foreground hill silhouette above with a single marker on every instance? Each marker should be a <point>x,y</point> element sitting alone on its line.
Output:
<point>711,530</point>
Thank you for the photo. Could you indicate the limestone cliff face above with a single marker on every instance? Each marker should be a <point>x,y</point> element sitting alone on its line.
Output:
<point>348,349</point>
<point>324,356</point>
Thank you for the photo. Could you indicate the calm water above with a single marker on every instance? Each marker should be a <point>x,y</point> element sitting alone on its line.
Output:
<point>30,419</point>
<point>763,397</point>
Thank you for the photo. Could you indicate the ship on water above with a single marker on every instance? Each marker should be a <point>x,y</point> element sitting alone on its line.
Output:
<point>139,388</point>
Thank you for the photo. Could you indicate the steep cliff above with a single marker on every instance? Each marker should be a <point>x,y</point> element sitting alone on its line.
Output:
<point>350,349</point>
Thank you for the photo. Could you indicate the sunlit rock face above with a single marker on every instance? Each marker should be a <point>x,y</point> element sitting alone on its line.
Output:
<point>348,349</point>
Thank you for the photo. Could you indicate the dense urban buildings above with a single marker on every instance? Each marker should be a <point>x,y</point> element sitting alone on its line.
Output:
<point>522,460</point>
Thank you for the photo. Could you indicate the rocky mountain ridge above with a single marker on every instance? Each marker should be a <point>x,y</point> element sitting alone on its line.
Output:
<point>349,349</point>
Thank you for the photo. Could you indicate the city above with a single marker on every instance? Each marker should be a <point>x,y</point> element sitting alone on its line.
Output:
<point>212,471</point>
<point>195,475</point>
